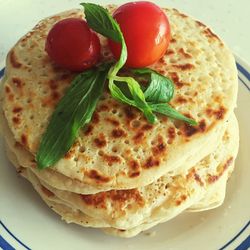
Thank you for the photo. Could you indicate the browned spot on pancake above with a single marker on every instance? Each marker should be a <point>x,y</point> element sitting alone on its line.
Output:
<point>213,178</point>
<point>95,118</point>
<point>113,121</point>
<point>134,174</point>
<point>146,127</point>
<point>130,115</point>
<point>47,192</point>
<point>117,133</point>
<point>171,135</point>
<point>151,162</point>
<point>183,53</point>
<point>127,152</point>
<point>182,198</point>
<point>110,159</point>
<point>17,109</point>
<point>190,174</point>
<point>160,148</point>
<point>138,137</point>
<point>11,97</point>
<point>200,24</point>
<point>223,168</point>
<point>173,40</point>
<point>202,125</point>
<point>97,200</point>
<point>187,66</point>
<point>7,89</point>
<point>55,96</point>
<point>189,130</point>
<point>198,179</point>
<point>70,154</point>
<point>53,84</point>
<point>117,197</point>
<point>13,60</point>
<point>134,167</point>
<point>24,139</point>
<point>16,120</point>
<point>180,100</point>
<point>93,174</point>
<point>161,71</point>
<point>210,34</point>
<point>100,142</point>
<point>175,78</point>
<point>17,82</point>
<point>123,196</point>
<point>103,107</point>
<point>209,112</point>
<point>51,100</point>
<point>169,52</point>
<point>219,114</point>
<point>217,99</point>
<point>189,115</point>
<point>88,130</point>
<point>162,61</point>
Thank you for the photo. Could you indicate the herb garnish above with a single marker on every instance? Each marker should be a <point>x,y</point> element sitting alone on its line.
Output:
<point>76,108</point>
<point>102,22</point>
<point>160,89</point>
<point>73,111</point>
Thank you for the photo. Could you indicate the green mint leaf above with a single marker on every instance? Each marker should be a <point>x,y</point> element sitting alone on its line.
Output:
<point>99,19</point>
<point>73,111</point>
<point>137,94</point>
<point>160,88</point>
<point>166,109</point>
<point>102,22</point>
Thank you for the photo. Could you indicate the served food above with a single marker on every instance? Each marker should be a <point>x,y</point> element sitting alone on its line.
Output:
<point>103,147</point>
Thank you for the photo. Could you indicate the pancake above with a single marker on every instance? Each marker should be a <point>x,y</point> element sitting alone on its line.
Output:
<point>71,215</point>
<point>136,209</point>
<point>213,199</point>
<point>50,177</point>
<point>119,149</point>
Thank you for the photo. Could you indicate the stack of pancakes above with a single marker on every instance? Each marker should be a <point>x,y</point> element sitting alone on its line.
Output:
<point>123,174</point>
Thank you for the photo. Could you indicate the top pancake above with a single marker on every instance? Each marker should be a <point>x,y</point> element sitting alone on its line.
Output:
<point>119,148</point>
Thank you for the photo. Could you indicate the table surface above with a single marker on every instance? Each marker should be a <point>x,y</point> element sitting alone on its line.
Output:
<point>228,18</point>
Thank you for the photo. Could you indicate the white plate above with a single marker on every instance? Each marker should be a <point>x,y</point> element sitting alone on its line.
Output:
<point>27,223</point>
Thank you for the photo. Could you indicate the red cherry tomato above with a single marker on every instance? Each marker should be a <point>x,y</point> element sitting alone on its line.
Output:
<point>72,45</point>
<point>146,30</point>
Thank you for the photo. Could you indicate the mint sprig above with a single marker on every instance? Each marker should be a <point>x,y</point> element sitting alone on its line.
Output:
<point>73,111</point>
<point>160,89</point>
<point>108,27</point>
